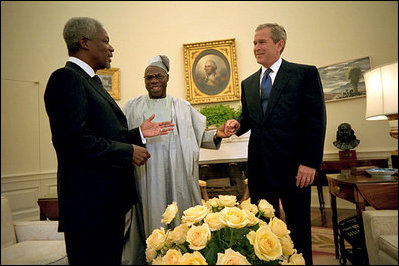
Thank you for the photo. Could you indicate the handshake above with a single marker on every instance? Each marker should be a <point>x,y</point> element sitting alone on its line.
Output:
<point>227,129</point>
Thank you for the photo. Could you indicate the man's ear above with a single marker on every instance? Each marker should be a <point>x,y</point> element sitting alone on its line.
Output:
<point>84,43</point>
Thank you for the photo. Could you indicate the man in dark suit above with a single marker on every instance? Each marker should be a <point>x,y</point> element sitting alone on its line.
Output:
<point>95,150</point>
<point>287,137</point>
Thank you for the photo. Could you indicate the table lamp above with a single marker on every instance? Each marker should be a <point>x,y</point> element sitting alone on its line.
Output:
<point>382,97</point>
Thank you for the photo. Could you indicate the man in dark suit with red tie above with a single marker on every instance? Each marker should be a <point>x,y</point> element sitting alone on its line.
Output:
<point>95,150</point>
<point>283,106</point>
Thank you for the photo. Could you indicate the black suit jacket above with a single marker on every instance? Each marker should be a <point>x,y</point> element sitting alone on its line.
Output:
<point>95,178</point>
<point>292,130</point>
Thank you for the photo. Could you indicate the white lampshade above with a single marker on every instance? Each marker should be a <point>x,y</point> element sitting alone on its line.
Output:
<point>382,91</point>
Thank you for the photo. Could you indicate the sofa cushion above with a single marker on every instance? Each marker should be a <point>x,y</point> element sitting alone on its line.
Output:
<point>389,244</point>
<point>35,253</point>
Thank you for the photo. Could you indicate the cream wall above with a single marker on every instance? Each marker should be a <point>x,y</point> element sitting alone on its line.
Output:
<point>319,33</point>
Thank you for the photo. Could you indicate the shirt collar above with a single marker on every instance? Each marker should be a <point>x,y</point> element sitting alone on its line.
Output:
<point>275,67</point>
<point>83,65</point>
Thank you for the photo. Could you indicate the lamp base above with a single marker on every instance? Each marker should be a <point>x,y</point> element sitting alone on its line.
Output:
<point>347,155</point>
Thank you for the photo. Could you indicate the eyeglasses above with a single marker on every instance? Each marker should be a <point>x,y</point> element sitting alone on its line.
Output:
<point>156,76</point>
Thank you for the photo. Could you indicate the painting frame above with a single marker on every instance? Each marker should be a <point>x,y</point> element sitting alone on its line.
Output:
<point>110,79</point>
<point>219,81</point>
<point>344,80</point>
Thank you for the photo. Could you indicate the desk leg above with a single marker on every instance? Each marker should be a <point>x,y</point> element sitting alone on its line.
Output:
<point>333,202</point>
<point>360,207</point>
<point>318,177</point>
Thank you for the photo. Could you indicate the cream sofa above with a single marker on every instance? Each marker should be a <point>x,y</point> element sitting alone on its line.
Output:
<point>30,242</point>
<point>381,234</point>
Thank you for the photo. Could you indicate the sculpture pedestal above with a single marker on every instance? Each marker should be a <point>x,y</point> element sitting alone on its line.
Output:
<point>347,155</point>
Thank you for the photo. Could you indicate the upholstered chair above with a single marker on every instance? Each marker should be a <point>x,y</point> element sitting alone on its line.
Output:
<point>30,242</point>
<point>381,234</point>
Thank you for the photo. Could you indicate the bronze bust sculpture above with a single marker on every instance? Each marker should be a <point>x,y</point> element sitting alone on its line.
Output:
<point>346,139</point>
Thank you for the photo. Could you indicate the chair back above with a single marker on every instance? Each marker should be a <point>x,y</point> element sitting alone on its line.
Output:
<point>7,225</point>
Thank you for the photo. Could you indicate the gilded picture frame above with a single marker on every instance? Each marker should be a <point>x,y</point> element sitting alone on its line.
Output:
<point>110,79</point>
<point>211,71</point>
<point>344,80</point>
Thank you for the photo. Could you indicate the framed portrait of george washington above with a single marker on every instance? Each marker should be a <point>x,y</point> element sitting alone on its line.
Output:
<point>110,79</point>
<point>211,71</point>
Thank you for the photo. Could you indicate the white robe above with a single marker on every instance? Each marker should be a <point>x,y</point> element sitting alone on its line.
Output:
<point>171,174</point>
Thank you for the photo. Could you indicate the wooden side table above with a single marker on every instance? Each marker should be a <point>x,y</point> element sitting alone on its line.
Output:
<point>48,208</point>
<point>380,193</point>
<point>330,166</point>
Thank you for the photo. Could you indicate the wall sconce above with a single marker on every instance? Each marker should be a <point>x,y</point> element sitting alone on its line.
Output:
<point>382,95</point>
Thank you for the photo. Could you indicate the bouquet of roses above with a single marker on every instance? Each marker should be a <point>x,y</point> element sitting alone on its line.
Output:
<point>223,232</point>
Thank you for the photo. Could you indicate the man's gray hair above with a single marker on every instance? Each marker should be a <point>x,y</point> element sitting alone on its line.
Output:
<point>278,32</point>
<point>213,63</point>
<point>78,27</point>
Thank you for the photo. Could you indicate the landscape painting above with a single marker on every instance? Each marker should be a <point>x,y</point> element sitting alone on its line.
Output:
<point>344,80</point>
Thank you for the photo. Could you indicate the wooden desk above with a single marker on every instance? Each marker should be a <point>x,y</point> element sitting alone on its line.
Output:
<point>380,193</point>
<point>48,208</point>
<point>330,166</point>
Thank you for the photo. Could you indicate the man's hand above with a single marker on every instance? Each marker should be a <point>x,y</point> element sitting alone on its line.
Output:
<point>227,129</point>
<point>231,126</point>
<point>140,155</point>
<point>305,176</point>
<point>152,129</point>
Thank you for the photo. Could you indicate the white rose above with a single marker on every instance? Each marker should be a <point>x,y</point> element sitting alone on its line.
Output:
<point>194,214</point>
<point>198,236</point>
<point>267,245</point>
<point>171,257</point>
<point>266,208</point>
<point>297,259</point>
<point>231,257</point>
<point>214,220</point>
<point>227,200</point>
<point>234,217</point>
<point>157,239</point>
<point>194,258</point>
<point>278,227</point>
<point>169,213</point>
<point>178,235</point>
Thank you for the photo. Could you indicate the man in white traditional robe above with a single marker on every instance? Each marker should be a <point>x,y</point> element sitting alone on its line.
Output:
<point>171,174</point>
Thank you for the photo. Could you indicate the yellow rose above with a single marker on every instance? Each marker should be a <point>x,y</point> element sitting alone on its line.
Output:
<point>171,257</point>
<point>266,208</point>
<point>285,262</point>
<point>214,221</point>
<point>157,261</point>
<point>278,227</point>
<point>169,213</point>
<point>234,217</point>
<point>251,237</point>
<point>198,236</point>
<point>267,245</point>
<point>247,205</point>
<point>178,235</point>
<point>194,214</point>
<point>287,245</point>
<point>231,257</point>
<point>297,259</point>
<point>227,200</point>
<point>214,202</point>
<point>150,254</point>
<point>252,219</point>
<point>157,239</point>
<point>194,258</point>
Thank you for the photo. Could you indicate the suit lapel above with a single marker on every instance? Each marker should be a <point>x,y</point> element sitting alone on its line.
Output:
<point>253,97</point>
<point>97,87</point>
<point>278,85</point>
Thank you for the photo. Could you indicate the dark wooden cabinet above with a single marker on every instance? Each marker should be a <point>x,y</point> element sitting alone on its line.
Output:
<point>48,208</point>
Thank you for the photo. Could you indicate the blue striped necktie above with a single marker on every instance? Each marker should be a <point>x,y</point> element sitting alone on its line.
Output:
<point>265,88</point>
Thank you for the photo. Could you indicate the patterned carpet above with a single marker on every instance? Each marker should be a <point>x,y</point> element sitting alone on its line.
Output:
<point>323,247</point>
